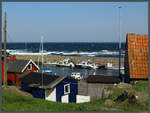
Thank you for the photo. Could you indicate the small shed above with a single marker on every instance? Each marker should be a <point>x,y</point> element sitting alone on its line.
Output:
<point>94,86</point>
<point>17,67</point>
<point>50,87</point>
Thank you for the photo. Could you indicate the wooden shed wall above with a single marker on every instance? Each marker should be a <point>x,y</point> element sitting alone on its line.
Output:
<point>94,90</point>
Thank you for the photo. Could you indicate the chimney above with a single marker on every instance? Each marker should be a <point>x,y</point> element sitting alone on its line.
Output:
<point>12,58</point>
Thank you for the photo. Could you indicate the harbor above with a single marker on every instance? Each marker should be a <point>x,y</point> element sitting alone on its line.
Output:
<point>84,72</point>
<point>73,59</point>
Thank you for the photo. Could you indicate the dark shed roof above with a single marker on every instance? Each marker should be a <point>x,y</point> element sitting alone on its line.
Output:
<point>103,79</point>
<point>16,65</point>
<point>34,79</point>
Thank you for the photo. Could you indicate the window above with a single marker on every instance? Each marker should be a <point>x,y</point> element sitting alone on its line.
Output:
<point>66,88</point>
<point>29,67</point>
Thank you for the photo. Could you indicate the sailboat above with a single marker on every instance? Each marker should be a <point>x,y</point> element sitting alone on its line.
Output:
<point>43,69</point>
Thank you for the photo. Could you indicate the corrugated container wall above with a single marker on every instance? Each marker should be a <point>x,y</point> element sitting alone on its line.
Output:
<point>136,56</point>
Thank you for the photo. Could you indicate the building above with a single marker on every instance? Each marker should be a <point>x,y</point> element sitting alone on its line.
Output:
<point>50,87</point>
<point>17,67</point>
<point>136,57</point>
<point>95,84</point>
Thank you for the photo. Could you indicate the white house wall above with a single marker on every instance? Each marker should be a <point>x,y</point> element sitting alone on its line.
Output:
<point>65,99</point>
<point>50,95</point>
<point>82,99</point>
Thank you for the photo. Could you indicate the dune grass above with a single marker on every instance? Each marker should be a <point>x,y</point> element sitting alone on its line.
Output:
<point>14,101</point>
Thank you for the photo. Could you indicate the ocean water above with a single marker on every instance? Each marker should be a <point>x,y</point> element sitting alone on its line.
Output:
<point>67,49</point>
<point>67,71</point>
<point>70,49</point>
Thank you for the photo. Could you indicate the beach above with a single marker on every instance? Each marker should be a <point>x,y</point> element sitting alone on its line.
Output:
<point>75,59</point>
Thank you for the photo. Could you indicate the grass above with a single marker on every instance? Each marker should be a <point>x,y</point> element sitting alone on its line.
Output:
<point>13,101</point>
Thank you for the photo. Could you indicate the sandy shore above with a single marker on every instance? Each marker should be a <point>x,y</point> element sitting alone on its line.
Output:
<point>75,59</point>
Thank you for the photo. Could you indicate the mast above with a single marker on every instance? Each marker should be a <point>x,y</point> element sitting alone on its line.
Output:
<point>119,38</point>
<point>42,57</point>
<point>5,46</point>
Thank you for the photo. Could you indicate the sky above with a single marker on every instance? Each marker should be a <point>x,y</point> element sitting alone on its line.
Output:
<point>74,21</point>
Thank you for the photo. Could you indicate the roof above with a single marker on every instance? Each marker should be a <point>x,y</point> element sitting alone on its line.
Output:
<point>34,79</point>
<point>137,56</point>
<point>103,79</point>
<point>30,61</point>
<point>18,66</point>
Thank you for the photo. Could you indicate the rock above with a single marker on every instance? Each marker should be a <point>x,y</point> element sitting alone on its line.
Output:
<point>141,95</point>
<point>122,97</point>
<point>123,85</point>
<point>109,102</point>
<point>129,96</point>
<point>132,99</point>
<point>133,82</point>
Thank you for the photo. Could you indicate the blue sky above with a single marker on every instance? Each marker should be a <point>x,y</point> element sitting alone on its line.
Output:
<point>74,21</point>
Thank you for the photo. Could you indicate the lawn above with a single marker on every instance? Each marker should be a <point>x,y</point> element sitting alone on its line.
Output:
<point>15,101</point>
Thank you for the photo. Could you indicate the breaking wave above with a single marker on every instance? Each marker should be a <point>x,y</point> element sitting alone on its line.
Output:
<point>102,53</point>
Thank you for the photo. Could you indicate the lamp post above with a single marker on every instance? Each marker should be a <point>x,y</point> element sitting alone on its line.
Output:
<point>119,38</point>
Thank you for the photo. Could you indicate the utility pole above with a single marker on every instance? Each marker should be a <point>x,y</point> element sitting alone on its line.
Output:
<point>119,38</point>
<point>5,43</point>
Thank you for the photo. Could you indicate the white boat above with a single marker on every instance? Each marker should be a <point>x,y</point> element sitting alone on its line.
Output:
<point>76,75</point>
<point>93,66</point>
<point>87,64</point>
<point>51,63</point>
<point>66,63</point>
<point>83,64</point>
<point>110,66</point>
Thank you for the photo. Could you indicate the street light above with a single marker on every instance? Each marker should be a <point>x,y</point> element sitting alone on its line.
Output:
<point>119,38</point>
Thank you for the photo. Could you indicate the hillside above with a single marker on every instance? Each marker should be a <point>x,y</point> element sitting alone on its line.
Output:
<point>15,100</point>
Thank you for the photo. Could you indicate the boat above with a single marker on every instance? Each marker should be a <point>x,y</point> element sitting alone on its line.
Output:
<point>76,75</point>
<point>47,70</point>
<point>110,66</point>
<point>66,63</point>
<point>87,65</point>
<point>51,63</point>
<point>83,64</point>
<point>93,66</point>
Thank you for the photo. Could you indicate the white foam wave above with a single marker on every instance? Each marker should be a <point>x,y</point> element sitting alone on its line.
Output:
<point>74,53</point>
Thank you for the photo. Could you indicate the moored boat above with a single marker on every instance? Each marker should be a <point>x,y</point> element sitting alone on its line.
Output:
<point>110,66</point>
<point>65,63</point>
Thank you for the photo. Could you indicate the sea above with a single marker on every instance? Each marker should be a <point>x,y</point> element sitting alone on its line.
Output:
<point>90,49</point>
<point>67,49</point>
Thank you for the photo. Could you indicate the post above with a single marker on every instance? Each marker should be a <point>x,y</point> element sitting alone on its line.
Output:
<point>42,58</point>
<point>119,38</point>
<point>5,43</point>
